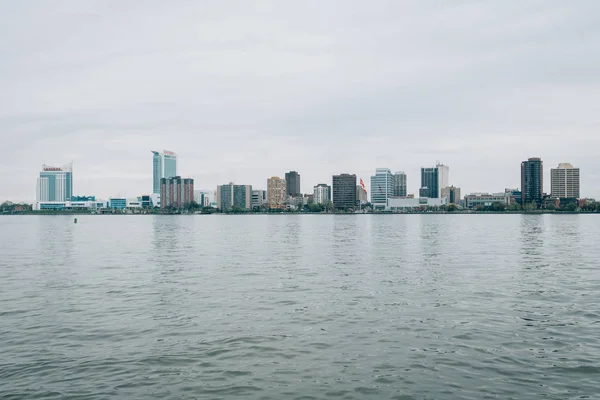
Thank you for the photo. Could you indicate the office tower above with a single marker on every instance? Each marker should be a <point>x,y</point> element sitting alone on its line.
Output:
<point>176,192</point>
<point>344,191</point>
<point>361,195</point>
<point>565,181</point>
<point>259,197</point>
<point>292,184</point>
<point>382,187</point>
<point>434,179</point>
<point>399,184</point>
<point>322,193</point>
<point>232,196</point>
<point>452,194</point>
<point>55,183</point>
<point>424,192</point>
<point>276,192</point>
<point>157,171</point>
<point>164,165</point>
<point>532,181</point>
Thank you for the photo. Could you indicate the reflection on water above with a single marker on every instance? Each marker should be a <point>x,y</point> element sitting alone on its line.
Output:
<point>293,306</point>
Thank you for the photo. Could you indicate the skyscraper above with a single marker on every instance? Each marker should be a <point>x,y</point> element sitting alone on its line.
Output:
<point>434,179</point>
<point>322,193</point>
<point>55,183</point>
<point>292,184</point>
<point>399,184</point>
<point>532,181</point>
<point>344,191</point>
<point>164,165</point>
<point>276,192</point>
<point>382,187</point>
<point>565,181</point>
<point>157,171</point>
<point>429,183</point>
<point>452,194</point>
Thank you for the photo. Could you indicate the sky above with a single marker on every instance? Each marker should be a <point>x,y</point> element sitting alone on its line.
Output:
<point>245,90</point>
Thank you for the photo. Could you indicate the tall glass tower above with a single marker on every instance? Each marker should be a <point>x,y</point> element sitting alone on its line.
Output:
<point>164,165</point>
<point>382,187</point>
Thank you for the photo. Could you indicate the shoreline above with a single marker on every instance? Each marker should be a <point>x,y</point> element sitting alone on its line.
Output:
<point>78,213</point>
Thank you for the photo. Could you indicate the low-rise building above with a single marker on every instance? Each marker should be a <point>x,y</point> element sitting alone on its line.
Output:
<point>487,199</point>
<point>405,203</point>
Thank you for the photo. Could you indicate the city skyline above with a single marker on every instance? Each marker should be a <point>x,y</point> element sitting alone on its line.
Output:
<point>265,89</point>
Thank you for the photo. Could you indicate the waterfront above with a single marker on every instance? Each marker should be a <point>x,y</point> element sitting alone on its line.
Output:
<point>300,306</point>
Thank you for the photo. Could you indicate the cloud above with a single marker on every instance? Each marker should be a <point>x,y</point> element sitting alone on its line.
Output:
<point>243,91</point>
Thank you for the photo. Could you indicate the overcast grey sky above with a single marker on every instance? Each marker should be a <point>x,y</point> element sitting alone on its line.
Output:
<point>245,90</point>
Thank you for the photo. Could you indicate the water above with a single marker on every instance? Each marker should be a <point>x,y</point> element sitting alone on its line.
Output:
<point>300,307</point>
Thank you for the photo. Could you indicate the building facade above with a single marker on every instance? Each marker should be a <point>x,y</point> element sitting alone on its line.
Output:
<point>532,181</point>
<point>564,181</point>
<point>400,204</point>
<point>434,179</point>
<point>176,192</point>
<point>232,196</point>
<point>382,187</point>
<point>452,193</point>
<point>344,191</point>
<point>322,193</point>
<point>259,197</point>
<point>487,199</point>
<point>55,184</point>
<point>292,184</point>
<point>276,192</point>
<point>400,183</point>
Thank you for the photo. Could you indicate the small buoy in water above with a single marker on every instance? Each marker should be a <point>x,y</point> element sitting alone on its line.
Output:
<point>75,221</point>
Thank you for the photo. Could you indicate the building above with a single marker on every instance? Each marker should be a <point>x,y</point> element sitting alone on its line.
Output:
<point>176,192</point>
<point>232,196</point>
<point>292,184</point>
<point>203,197</point>
<point>399,184</point>
<point>276,192</point>
<point>434,179</point>
<point>515,195</point>
<point>532,181</point>
<point>344,191</point>
<point>488,199</point>
<point>564,181</point>
<point>55,184</point>
<point>424,192</point>
<point>407,203</point>
<point>259,197</point>
<point>322,193</point>
<point>361,195</point>
<point>382,187</point>
<point>117,203</point>
<point>164,165</point>
<point>452,193</point>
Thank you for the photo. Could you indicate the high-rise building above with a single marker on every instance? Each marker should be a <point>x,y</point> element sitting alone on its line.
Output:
<point>532,181</point>
<point>169,164</point>
<point>55,183</point>
<point>344,191</point>
<point>259,197</point>
<point>382,187</point>
<point>176,192</point>
<point>434,179</point>
<point>276,192</point>
<point>292,184</point>
<point>452,194</point>
<point>399,184</point>
<point>322,193</point>
<point>232,196</point>
<point>565,181</point>
<point>203,197</point>
<point>164,165</point>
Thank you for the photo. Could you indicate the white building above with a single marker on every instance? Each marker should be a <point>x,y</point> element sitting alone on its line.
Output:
<point>55,184</point>
<point>565,181</point>
<point>407,204</point>
<point>322,193</point>
<point>382,187</point>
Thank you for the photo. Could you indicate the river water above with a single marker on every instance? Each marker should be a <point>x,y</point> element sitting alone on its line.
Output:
<point>300,307</point>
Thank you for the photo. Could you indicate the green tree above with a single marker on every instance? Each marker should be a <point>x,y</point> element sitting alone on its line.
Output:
<point>514,207</point>
<point>571,207</point>
<point>452,207</point>
<point>551,207</point>
<point>498,207</point>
